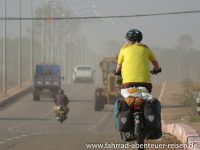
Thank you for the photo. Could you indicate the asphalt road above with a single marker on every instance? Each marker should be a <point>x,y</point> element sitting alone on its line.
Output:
<point>26,124</point>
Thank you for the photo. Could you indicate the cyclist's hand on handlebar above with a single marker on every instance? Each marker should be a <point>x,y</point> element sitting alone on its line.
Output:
<point>156,71</point>
<point>118,73</point>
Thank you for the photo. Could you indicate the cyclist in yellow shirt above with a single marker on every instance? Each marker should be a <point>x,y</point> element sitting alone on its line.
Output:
<point>133,62</point>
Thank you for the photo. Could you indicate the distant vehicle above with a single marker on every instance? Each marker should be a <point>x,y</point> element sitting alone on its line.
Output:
<point>48,76</point>
<point>83,74</point>
<point>112,84</point>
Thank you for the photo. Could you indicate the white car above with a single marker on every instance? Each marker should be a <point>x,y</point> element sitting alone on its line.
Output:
<point>83,73</point>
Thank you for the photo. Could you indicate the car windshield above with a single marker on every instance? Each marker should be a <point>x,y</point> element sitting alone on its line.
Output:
<point>47,69</point>
<point>84,68</point>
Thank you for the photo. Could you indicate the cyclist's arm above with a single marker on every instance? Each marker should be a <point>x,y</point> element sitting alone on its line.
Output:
<point>155,64</point>
<point>119,62</point>
<point>118,69</point>
<point>153,60</point>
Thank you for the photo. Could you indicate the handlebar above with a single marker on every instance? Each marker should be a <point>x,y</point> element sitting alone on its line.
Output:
<point>156,71</point>
<point>118,73</point>
<point>153,72</point>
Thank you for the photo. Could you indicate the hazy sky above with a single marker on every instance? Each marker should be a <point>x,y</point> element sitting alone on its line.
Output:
<point>159,31</point>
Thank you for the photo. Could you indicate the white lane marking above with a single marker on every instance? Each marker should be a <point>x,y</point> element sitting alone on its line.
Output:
<point>162,91</point>
<point>99,122</point>
<point>2,142</point>
<point>161,97</point>
<point>16,129</point>
<point>39,133</point>
<point>9,139</point>
<point>18,137</point>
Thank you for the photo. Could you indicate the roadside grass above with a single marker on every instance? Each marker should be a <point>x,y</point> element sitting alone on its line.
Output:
<point>190,90</point>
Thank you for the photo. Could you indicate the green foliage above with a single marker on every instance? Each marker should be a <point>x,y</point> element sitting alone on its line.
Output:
<point>194,118</point>
<point>190,101</point>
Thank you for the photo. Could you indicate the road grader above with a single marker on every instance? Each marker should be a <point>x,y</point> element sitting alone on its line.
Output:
<point>111,84</point>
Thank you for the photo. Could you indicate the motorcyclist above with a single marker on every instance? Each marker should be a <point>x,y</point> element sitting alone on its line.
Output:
<point>61,100</point>
<point>133,62</point>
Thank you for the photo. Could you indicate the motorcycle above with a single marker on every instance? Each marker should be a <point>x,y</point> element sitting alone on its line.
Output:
<point>139,99</point>
<point>61,114</point>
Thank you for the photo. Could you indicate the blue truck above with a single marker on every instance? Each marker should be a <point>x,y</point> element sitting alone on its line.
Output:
<point>47,77</point>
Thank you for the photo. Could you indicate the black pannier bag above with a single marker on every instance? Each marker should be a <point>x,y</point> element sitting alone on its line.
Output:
<point>152,116</point>
<point>124,119</point>
<point>127,136</point>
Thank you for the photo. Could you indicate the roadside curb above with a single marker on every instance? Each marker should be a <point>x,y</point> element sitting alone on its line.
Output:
<point>15,93</point>
<point>184,133</point>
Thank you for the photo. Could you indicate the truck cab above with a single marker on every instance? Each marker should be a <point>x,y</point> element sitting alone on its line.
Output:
<point>47,77</point>
<point>112,84</point>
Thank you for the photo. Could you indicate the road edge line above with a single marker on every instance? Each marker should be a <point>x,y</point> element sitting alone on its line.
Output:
<point>8,98</point>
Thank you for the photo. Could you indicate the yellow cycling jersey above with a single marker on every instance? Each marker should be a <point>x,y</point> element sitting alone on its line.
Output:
<point>135,63</point>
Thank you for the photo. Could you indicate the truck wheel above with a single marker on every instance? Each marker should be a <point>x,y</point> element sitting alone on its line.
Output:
<point>99,100</point>
<point>97,105</point>
<point>36,95</point>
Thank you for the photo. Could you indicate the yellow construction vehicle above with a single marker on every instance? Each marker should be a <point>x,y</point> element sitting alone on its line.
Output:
<point>111,90</point>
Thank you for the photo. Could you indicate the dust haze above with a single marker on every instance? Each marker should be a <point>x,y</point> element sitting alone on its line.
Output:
<point>173,38</point>
<point>83,32</point>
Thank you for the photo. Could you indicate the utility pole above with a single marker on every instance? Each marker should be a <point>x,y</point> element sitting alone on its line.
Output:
<point>4,55</point>
<point>43,34</point>
<point>31,54</point>
<point>53,34</point>
<point>19,55</point>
